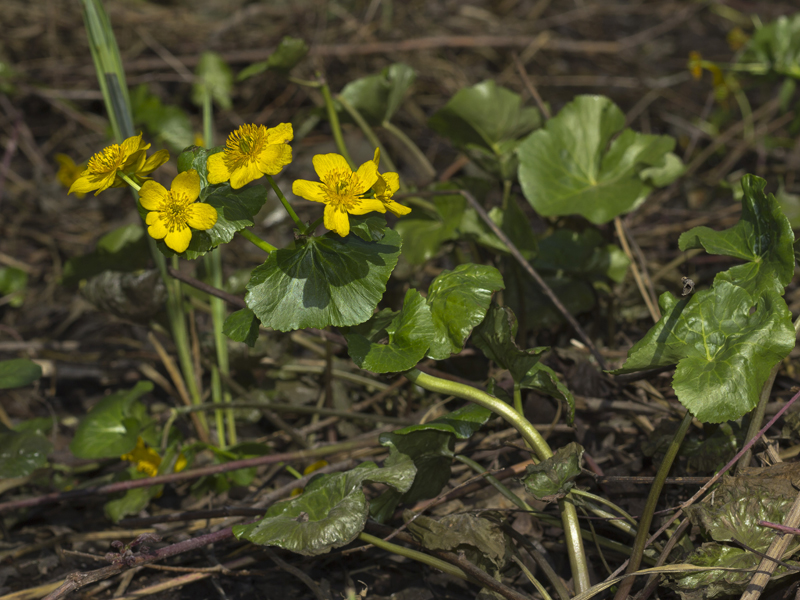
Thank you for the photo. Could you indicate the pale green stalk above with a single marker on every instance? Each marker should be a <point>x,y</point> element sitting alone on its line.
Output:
<point>425,559</point>
<point>336,127</point>
<point>256,241</point>
<point>368,132</point>
<point>286,205</point>
<point>569,516</point>
<point>430,172</point>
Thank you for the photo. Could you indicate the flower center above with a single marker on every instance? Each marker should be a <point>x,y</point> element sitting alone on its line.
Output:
<point>110,159</point>
<point>340,186</point>
<point>175,210</point>
<point>244,145</point>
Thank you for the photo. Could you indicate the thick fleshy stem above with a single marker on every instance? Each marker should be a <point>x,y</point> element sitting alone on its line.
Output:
<point>257,241</point>
<point>286,204</point>
<point>129,181</point>
<point>569,516</point>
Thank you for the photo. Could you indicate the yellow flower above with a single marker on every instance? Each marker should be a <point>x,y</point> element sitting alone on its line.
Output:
<point>250,152</point>
<point>148,461</point>
<point>341,190</point>
<point>173,212</point>
<point>130,157</point>
<point>68,172</point>
<point>695,64</point>
<point>385,187</point>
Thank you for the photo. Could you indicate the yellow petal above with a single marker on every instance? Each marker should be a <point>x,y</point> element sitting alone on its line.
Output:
<point>280,134</point>
<point>131,145</point>
<point>366,176</point>
<point>336,220</point>
<point>366,205</point>
<point>217,170</point>
<point>187,183</point>
<point>155,161</point>
<point>83,185</point>
<point>325,163</point>
<point>157,230</point>
<point>377,158</point>
<point>201,216</point>
<point>152,217</point>
<point>397,209</point>
<point>179,239</point>
<point>310,190</point>
<point>107,181</point>
<point>152,195</point>
<point>244,175</point>
<point>392,181</point>
<point>274,157</point>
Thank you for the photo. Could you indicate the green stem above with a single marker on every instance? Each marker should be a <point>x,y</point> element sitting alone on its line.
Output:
<point>427,167</point>
<point>286,204</point>
<point>367,131</point>
<point>518,399</point>
<point>129,181</point>
<point>257,241</point>
<point>336,127</point>
<point>496,483</point>
<point>569,516</point>
<point>643,531</point>
<point>216,397</point>
<point>425,559</point>
<point>506,193</point>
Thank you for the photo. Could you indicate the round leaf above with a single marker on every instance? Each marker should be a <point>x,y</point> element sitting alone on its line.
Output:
<point>18,372</point>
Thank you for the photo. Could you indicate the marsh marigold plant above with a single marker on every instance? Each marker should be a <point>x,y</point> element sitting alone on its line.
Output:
<point>129,157</point>
<point>385,187</point>
<point>250,152</point>
<point>341,190</point>
<point>174,212</point>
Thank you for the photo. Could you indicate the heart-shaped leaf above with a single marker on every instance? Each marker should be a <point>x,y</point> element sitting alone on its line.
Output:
<point>322,281</point>
<point>331,512</point>
<point>569,168</point>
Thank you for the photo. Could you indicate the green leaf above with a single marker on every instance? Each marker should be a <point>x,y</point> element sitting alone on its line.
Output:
<point>725,343</point>
<point>112,426</point>
<point>526,298</point>
<point>331,512</point>
<point>289,52</point>
<point>775,47</point>
<point>552,478</point>
<point>132,501</point>
<point>495,337</point>
<point>222,482</point>
<point>763,237</point>
<point>583,255</point>
<point>423,234</point>
<point>377,97</point>
<point>213,76</point>
<point>13,280</point>
<point>511,221</point>
<point>166,123</point>
<point>242,326</point>
<point>430,445</point>
<point>195,157</point>
<point>458,300</point>
<point>21,453</point>
<point>569,168</point>
<point>18,372</point>
<point>322,281</point>
<point>410,334</point>
<point>370,227</point>
<point>124,249</point>
<point>487,122</point>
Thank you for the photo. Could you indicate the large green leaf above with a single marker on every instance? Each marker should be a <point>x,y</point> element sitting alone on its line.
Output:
<point>289,52</point>
<point>487,122</point>
<point>22,452</point>
<point>242,326</point>
<point>113,425</point>
<point>725,343</point>
<point>331,512</point>
<point>458,300</point>
<point>569,168</point>
<point>377,97</point>
<point>124,249</point>
<point>763,237</point>
<point>430,445</point>
<point>495,337</point>
<point>775,47</point>
<point>552,478</point>
<point>18,372</point>
<point>410,334</point>
<point>424,234</point>
<point>213,76</point>
<point>322,281</point>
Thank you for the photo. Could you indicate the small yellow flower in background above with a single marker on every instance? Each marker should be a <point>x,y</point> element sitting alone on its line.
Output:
<point>69,172</point>
<point>737,39</point>
<point>341,190</point>
<point>315,466</point>
<point>130,157</point>
<point>385,187</point>
<point>147,460</point>
<point>173,212</point>
<point>250,152</point>
<point>695,64</point>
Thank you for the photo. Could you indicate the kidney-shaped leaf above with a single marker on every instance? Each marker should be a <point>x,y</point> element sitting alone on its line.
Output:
<point>112,426</point>
<point>458,300</point>
<point>322,281</point>
<point>763,237</point>
<point>331,512</point>
<point>725,343</point>
<point>569,168</point>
